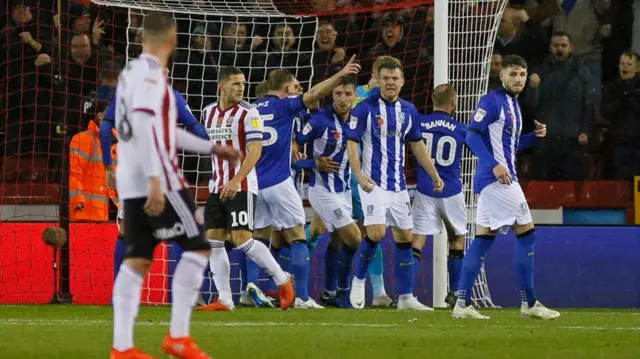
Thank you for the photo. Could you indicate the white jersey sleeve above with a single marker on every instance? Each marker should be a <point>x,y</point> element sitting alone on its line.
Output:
<point>146,125</point>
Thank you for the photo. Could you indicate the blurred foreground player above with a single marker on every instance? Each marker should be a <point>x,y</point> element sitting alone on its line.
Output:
<point>233,192</point>
<point>495,137</point>
<point>147,177</point>
<point>444,137</point>
<point>185,119</point>
<point>382,124</point>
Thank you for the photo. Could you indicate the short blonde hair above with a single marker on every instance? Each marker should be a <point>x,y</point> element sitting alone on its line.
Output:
<point>443,94</point>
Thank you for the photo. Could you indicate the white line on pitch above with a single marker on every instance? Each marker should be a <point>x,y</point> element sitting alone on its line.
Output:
<point>54,322</point>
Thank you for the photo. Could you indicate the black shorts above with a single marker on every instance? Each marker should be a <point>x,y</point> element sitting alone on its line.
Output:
<point>236,213</point>
<point>177,223</point>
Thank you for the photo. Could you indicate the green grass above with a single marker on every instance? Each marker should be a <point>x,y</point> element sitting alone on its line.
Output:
<point>85,332</point>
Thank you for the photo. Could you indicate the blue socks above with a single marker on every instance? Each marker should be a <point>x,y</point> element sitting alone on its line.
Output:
<point>118,256</point>
<point>454,267</point>
<point>523,260</point>
<point>331,269</point>
<point>403,262</point>
<point>345,261</point>
<point>300,260</point>
<point>471,265</point>
<point>367,252</point>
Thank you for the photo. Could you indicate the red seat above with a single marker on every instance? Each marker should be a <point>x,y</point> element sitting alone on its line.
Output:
<point>550,195</point>
<point>606,194</point>
<point>29,193</point>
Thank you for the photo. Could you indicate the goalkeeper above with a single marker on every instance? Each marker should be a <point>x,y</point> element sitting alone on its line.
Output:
<point>185,118</point>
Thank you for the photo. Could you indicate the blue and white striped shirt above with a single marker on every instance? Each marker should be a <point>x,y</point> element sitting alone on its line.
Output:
<point>383,127</point>
<point>499,121</point>
<point>327,131</point>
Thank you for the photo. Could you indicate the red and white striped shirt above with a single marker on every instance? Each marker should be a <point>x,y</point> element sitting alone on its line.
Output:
<point>146,122</point>
<point>235,126</point>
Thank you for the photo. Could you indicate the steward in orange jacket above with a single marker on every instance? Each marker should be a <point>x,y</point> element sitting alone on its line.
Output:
<point>88,192</point>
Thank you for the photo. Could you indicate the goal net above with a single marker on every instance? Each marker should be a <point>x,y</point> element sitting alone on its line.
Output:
<point>313,39</point>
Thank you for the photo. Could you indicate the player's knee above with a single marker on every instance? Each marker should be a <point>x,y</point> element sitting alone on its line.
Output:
<point>218,234</point>
<point>294,234</point>
<point>351,235</point>
<point>523,230</point>
<point>402,235</point>
<point>376,232</point>
<point>485,231</point>
<point>418,241</point>
<point>456,242</point>
<point>139,265</point>
<point>240,237</point>
<point>262,233</point>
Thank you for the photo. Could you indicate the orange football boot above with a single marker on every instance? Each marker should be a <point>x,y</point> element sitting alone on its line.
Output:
<point>183,348</point>
<point>132,353</point>
<point>216,306</point>
<point>287,293</point>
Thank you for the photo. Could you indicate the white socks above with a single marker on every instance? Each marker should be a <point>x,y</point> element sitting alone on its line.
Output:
<point>187,280</point>
<point>260,254</point>
<point>127,290</point>
<point>377,285</point>
<point>221,270</point>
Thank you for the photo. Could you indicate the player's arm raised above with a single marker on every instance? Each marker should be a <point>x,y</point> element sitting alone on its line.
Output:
<point>421,152</point>
<point>319,91</point>
<point>253,140</point>
<point>357,125</point>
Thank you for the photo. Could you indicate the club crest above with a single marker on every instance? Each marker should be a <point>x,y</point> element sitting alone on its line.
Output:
<point>370,210</point>
<point>338,213</point>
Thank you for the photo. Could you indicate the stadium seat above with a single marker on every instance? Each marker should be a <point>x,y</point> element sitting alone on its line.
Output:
<point>547,195</point>
<point>607,194</point>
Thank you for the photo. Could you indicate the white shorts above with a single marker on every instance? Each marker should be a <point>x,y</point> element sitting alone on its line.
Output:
<point>386,207</point>
<point>431,214</point>
<point>501,206</point>
<point>333,208</point>
<point>279,206</point>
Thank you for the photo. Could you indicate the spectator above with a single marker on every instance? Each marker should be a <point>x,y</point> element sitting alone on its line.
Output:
<point>80,70</point>
<point>327,58</point>
<point>194,71</point>
<point>559,96</point>
<point>88,192</point>
<point>582,20</point>
<point>519,35</point>
<point>494,71</point>
<point>621,107</point>
<point>415,60</point>
<point>27,77</point>
<point>284,54</point>
<point>236,47</point>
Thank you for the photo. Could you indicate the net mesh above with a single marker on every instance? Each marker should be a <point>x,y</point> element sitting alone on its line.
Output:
<point>312,39</point>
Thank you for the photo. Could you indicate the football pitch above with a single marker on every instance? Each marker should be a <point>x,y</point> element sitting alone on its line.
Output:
<point>69,331</point>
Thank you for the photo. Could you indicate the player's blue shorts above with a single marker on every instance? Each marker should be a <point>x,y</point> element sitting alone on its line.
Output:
<point>356,212</point>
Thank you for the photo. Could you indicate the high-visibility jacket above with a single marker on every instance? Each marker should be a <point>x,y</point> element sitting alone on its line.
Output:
<point>87,184</point>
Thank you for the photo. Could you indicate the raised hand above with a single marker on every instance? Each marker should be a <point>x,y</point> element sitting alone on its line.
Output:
<point>351,68</point>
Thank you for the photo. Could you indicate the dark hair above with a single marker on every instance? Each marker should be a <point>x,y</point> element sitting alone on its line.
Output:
<point>348,80</point>
<point>443,94</point>
<point>156,23</point>
<point>277,78</point>
<point>227,72</point>
<point>109,70</point>
<point>561,33</point>
<point>513,60</point>
<point>389,65</point>
<point>631,54</point>
<point>324,22</point>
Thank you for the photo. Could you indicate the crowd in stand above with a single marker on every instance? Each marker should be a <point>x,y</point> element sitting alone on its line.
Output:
<point>582,57</point>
